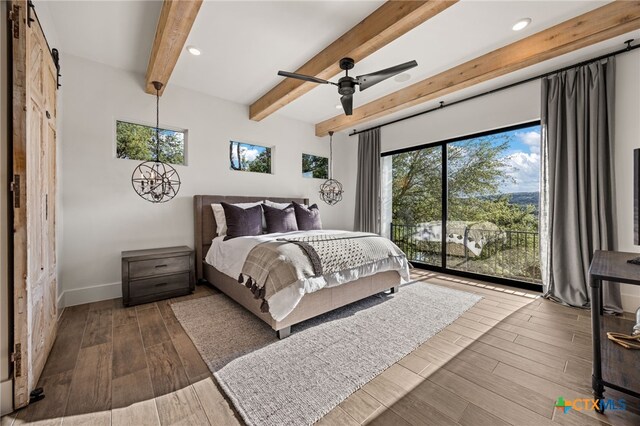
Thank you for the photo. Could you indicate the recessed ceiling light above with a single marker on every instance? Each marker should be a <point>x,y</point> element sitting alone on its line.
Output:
<point>339,106</point>
<point>401,78</point>
<point>193,50</point>
<point>521,24</point>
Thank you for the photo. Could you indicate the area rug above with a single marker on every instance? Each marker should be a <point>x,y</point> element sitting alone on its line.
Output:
<point>298,380</point>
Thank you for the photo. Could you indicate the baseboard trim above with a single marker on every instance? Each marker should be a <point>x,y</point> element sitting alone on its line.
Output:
<point>6,397</point>
<point>94,293</point>
<point>630,302</point>
<point>60,304</point>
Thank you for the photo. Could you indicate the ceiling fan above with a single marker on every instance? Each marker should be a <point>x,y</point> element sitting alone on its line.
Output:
<point>347,85</point>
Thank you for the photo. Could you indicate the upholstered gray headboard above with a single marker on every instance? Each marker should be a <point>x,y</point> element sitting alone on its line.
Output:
<point>205,222</point>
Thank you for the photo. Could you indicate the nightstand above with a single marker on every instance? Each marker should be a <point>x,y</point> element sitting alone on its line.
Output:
<point>155,274</point>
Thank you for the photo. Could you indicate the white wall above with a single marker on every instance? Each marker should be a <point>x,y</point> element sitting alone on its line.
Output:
<point>345,158</point>
<point>627,136</point>
<point>103,215</point>
<point>521,104</point>
<point>513,106</point>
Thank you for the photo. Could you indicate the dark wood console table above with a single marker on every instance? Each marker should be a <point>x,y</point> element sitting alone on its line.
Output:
<point>613,366</point>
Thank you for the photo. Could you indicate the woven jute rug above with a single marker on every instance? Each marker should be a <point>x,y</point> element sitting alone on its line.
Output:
<point>298,380</point>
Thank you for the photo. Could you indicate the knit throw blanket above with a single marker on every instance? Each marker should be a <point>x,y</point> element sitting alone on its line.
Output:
<point>275,265</point>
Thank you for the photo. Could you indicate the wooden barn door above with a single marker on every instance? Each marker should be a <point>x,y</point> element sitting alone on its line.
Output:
<point>34,195</point>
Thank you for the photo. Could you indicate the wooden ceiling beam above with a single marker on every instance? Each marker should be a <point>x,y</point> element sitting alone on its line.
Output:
<point>174,26</point>
<point>611,20</point>
<point>385,24</point>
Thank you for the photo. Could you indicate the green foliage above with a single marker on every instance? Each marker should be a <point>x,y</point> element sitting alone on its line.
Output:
<point>137,142</point>
<point>317,166</point>
<point>417,187</point>
<point>476,170</point>
<point>262,163</point>
<point>133,141</point>
<point>497,210</point>
<point>172,147</point>
<point>238,158</point>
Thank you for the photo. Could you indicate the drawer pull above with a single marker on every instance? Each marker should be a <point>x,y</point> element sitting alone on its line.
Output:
<point>161,266</point>
<point>161,284</point>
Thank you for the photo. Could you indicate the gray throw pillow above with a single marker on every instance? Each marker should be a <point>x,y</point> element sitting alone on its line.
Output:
<point>242,222</point>
<point>280,220</point>
<point>308,218</point>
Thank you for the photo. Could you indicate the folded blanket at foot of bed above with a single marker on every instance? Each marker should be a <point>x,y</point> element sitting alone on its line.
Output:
<point>272,266</point>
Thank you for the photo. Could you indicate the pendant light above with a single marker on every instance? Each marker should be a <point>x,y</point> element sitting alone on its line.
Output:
<point>331,190</point>
<point>156,181</point>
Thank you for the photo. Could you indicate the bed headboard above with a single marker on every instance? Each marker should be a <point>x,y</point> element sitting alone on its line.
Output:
<point>205,223</point>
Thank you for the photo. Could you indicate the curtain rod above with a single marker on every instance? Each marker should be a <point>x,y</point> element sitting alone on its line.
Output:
<point>629,48</point>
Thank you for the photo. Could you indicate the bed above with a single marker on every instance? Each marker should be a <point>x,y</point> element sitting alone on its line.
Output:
<point>310,305</point>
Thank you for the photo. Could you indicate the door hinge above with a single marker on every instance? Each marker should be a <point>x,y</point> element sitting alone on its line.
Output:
<point>56,60</point>
<point>16,358</point>
<point>14,17</point>
<point>15,188</point>
<point>30,8</point>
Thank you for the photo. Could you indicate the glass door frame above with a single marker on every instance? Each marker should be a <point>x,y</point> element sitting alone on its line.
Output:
<point>445,204</point>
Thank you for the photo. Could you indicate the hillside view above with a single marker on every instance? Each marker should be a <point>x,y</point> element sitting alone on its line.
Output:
<point>524,199</point>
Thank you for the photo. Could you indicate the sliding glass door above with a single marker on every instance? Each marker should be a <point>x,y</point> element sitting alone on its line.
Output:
<point>486,185</point>
<point>417,204</point>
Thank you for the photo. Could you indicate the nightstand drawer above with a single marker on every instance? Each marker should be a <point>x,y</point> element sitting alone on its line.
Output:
<point>153,267</point>
<point>155,285</point>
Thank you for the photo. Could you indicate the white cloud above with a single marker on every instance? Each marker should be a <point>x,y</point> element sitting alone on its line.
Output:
<point>249,154</point>
<point>524,169</point>
<point>531,139</point>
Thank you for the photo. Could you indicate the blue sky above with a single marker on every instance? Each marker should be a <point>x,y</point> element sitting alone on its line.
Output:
<point>250,152</point>
<point>523,159</point>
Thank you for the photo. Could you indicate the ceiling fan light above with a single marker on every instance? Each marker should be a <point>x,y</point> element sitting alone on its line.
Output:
<point>347,84</point>
<point>401,78</point>
<point>521,24</point>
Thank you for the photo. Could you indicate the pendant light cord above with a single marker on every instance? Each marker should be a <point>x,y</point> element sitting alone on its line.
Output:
<point>331,155</point>
<point>157,124</point>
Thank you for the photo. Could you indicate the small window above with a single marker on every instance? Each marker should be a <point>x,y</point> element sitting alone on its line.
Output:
<point>249,158</point>
<point>314,166</point>
<point>137,142</point>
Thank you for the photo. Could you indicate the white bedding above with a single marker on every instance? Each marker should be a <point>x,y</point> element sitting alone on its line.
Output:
<point>229,256</point>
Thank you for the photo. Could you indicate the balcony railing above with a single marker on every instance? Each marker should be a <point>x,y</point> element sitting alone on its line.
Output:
<point>501,253</point>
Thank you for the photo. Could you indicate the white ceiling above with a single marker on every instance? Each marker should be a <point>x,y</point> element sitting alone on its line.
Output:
<point>116,33</point>
<point>462,32</point>
<point>245,43</point>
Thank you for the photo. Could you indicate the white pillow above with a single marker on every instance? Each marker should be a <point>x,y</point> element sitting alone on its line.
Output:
<point>221,220</point>
<point>277,205</point>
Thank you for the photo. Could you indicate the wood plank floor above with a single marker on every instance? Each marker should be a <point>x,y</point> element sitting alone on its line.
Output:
<point>503,362</point>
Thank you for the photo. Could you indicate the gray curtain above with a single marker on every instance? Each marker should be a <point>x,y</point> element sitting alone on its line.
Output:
<point>368,184</point>
<point>577,212</point>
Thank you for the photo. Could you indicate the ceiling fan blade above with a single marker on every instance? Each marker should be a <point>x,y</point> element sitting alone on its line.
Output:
<point>369,80</point>
<point>347,104</point>
<point>303,77</point>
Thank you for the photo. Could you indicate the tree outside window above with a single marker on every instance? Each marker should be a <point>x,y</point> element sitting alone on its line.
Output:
<point>137,142</point>
<point>249,158</point>
<point>314,166</point>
